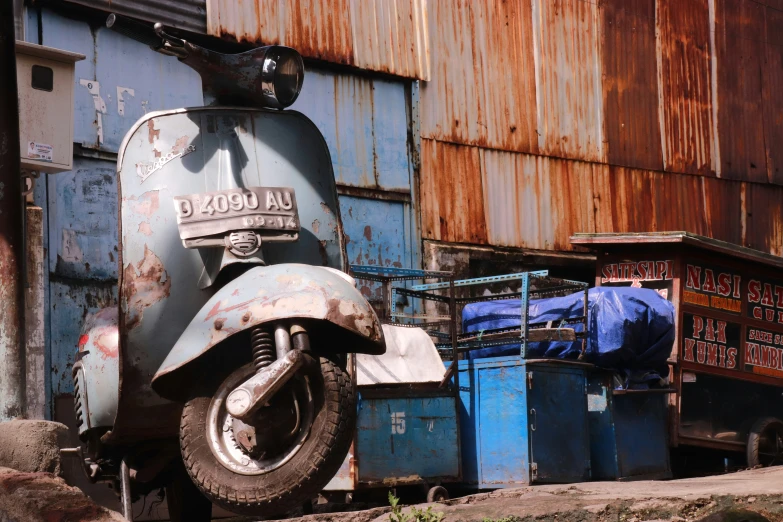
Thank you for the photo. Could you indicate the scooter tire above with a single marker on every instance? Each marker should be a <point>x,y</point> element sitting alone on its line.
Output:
<point>296,481</point>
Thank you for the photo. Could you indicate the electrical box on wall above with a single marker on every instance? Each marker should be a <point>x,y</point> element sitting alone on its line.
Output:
<point>45,81</point>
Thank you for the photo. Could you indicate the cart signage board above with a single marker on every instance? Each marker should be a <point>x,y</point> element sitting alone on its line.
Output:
<point>765,300</point>
<point>764,352</point>
<point>710,342</point>
<point>656,274</point>
<point>712,287</point>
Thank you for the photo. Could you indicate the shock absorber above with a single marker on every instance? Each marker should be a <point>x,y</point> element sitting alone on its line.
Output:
<point>263,348</point>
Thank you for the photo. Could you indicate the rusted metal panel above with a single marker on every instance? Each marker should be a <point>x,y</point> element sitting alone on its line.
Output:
<point>189,15</point>
<point>538,202</point>
<point>391,36</point>
<point>534,201</point>
<point>452,200</point>
<point>764,215</point>
<point>71,302</point>
<point>772,81</point>
<point>684,84</point>
<point>83,221</point>
<point>379,35</point>
<point>633,133</point>
<point>376,232</point>
<point>569,94</point>
<point>482,90</point>
<point>740,51</point>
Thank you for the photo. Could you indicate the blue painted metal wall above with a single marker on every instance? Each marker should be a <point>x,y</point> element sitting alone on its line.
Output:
<point>365,121</point>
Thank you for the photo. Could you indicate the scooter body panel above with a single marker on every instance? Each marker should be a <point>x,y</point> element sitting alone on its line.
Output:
<point>193,151</point>
<point>268,294</point>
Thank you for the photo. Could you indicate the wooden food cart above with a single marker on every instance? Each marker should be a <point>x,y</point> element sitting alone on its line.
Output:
<point>727,361</point>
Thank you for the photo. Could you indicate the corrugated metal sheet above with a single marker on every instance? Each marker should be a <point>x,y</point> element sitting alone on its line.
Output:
<point>773,93</point>
<point>633,131</point>
<point>364,122</point>
<point>189,15</point>
<point>452,200</point>
<point>535,201</point>
<point>567,40</point>
<point>740,50</point>
<point>538,202</point>
<point>764,215</point>
<point>684,85</point>
<point>381,35</point>
<point>482,90</point>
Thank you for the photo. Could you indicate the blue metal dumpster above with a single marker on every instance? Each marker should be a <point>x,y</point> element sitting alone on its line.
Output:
<point>628,431</point>
<point>523,421</point>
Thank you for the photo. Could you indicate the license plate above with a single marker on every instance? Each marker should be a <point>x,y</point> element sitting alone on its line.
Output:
<point>254,208</point>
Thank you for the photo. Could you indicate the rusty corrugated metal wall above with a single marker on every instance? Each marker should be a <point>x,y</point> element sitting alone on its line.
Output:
<point>548,117</point>
<point>387,36</point>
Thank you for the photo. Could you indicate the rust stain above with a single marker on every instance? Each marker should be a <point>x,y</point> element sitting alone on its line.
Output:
<point>684,83</point>
<point>740,51</point>
<point>482,89</point>
<point>316,226</point>
<point>368,233</point>
<point>144,285</point>
<point>152,133</point>
<point>773,95</point>
<point>452,194</point>
<point>632,125</point>
<point>568,88</point>
<point>379,35</point>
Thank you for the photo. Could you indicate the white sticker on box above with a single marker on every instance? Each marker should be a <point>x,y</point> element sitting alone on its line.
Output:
<point>39,151</point>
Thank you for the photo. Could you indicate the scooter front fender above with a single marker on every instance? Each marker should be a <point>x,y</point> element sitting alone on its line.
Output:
<point>268,294</point>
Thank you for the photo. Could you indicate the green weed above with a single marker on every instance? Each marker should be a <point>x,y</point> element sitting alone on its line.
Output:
<point>416,515</point>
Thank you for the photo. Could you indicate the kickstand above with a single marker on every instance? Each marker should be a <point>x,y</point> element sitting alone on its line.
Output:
<point>125,491</point>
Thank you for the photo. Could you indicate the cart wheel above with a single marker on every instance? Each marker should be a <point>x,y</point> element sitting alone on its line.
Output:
<point>765,443</point>
<point>437,494</point>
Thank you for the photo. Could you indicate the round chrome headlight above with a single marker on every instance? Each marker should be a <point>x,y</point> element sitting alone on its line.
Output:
<point>282,76</point>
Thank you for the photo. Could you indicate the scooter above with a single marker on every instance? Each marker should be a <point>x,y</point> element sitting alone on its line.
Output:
<point>222,375</point>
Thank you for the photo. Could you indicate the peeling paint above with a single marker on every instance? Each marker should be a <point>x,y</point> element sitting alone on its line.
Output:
<point>144,285</point>
<point>71,251</point>
<point>144,228</point>
<point>146,204</point>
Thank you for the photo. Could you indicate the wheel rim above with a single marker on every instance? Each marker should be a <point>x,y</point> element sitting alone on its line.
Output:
<point>771,446</point>
<point>221,425</point>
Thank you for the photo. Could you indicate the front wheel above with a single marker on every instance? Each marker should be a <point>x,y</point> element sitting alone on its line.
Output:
<point>285,456</point>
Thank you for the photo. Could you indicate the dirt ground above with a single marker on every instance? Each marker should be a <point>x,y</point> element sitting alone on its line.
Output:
<point>759,491</point>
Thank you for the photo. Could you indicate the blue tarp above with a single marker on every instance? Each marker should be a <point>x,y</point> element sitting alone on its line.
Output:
<point>631,330</point>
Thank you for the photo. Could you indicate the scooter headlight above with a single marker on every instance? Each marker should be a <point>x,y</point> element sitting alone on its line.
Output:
<point>282,76</point>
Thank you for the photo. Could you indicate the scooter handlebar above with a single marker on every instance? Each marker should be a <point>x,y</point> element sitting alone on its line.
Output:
<point>134,30</point>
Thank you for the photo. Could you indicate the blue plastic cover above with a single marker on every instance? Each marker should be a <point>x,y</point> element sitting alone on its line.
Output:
<point>630,329</point>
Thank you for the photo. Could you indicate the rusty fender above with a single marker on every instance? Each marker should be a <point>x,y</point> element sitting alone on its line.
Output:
<point>97,389</point>
<point>267,294</point>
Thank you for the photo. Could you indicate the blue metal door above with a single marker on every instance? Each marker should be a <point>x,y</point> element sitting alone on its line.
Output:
<point>557,424</point>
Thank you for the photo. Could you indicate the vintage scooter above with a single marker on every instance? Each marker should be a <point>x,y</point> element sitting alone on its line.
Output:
<point>224,364</point>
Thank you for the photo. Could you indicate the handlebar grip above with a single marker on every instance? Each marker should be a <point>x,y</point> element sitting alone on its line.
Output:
<point>134,30</point>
